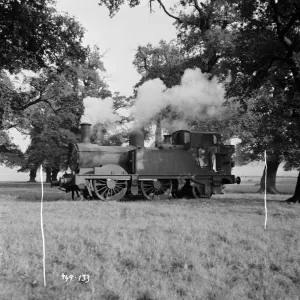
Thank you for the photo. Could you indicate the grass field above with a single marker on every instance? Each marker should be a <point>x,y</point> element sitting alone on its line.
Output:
<point>176,249</point>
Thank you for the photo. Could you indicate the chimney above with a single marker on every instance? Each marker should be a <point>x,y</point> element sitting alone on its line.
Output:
<point>167,138</point>
<point>85,133</point>
<point>158,133</point>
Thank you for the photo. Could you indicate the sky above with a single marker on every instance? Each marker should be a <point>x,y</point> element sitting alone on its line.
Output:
<point>118,37</point>
<point>121,35</point>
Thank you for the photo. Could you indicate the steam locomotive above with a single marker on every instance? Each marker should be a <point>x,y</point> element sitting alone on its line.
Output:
<point>184,164</point>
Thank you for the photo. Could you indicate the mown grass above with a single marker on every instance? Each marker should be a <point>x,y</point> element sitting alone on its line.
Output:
<point>176,249</point>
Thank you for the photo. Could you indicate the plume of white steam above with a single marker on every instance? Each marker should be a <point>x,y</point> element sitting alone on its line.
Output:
<point>195,97</point>
<point>174,125</point>
<point>149,102</point>
<point>97,110</point>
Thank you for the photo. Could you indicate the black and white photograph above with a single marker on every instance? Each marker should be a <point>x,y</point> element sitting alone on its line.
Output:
<point>149,149</point>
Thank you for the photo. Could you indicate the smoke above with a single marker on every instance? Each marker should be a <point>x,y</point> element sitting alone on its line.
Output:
<point>150,101</point>
<point>197,96</point>
<point>97,110</point>
<point>174,125</point>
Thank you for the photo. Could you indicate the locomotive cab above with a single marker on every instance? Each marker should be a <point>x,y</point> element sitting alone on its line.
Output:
<point>207,147</point>
<point>196,139</point>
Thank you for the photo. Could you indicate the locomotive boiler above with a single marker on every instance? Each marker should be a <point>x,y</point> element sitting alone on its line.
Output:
<point>184,164</point>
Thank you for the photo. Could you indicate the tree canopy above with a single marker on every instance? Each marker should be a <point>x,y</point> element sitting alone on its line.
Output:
<point>33,35</point>
<point>36,39</point>
<point>257,43</point>
<point>54,122</point>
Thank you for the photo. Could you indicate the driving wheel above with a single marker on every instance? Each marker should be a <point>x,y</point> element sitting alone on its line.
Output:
<point>110,189</point>
<point>157,190</point>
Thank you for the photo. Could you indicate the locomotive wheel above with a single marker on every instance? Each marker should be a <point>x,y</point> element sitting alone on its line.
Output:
<point>157,190</point>
<point>196,193</point>
<point>110,189</point>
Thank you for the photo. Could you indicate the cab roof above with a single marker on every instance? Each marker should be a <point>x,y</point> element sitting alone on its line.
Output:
<point>196,131</point>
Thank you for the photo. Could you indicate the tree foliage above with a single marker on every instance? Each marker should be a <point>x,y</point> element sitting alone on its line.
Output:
<point>115,134</point>
<point>50,136</point>
<point>33,35</point>
<point>164,61</point>
<point>264,64</point>
<point>10,154</point>
<point>54,122</point>
<point>91,74</point>
<point>259,43</point>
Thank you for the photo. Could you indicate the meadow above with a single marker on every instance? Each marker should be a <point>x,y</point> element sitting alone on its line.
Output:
<point>139,250</point>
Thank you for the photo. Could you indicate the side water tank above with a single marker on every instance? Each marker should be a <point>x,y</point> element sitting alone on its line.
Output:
<point>136,138</point>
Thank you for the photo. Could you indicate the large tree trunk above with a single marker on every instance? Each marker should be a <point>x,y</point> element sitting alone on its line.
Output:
<point>296,197</point>
<point>54,174</point>
<point>32,174</point>
<point>48,174</point>
<point>272,167</point>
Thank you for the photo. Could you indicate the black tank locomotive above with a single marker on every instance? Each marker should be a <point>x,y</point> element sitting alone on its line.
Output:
<point>187,163</point>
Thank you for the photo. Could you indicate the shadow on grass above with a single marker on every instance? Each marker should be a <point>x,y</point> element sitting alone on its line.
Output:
<point>219,200</point>
<point>32,192</point>
<point>36,196</point>
<point>284,189</point>
<point>23,184</point>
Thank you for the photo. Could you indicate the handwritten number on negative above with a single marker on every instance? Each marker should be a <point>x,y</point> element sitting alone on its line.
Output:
<point>81,278</point>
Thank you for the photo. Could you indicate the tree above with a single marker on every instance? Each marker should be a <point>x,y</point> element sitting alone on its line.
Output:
<point>266,49</point>
<point>202,35</point>
<point>10,155</point>
<point>259,131</point>
<point>56,95</point>
<point>50,136</point>
<point>91,74</point>
<point>258,42</point>
<point>55,124</point>
<point>252,39</point>
<point>202,27</point>
<point>163,61</point>
<point>33,36</point>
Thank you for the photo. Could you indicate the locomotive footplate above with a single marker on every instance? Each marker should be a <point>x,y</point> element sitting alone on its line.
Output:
<point>80,179</point>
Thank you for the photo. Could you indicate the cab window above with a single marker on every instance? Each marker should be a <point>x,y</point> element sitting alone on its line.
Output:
<point>187,137</point>
<point>215,140</point>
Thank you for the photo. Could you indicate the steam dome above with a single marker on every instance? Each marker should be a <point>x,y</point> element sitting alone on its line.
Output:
<point>136,138</point>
